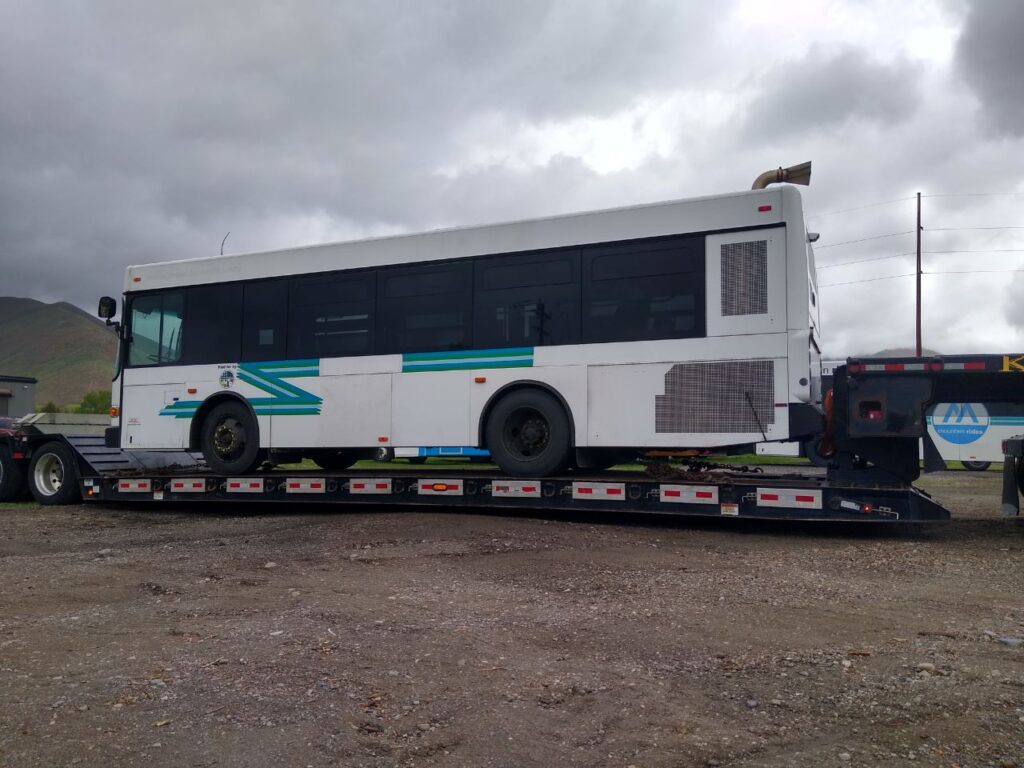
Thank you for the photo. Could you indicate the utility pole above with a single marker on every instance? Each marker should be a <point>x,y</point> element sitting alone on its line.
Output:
<point>918,274</point>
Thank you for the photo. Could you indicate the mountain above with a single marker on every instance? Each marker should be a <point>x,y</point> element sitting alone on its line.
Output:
<point>69,351</point>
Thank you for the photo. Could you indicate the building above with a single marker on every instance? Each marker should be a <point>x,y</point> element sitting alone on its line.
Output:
<point>17,395</point>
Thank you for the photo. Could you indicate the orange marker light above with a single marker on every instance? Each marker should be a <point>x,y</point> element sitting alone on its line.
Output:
<point>382,439</point>
<point>114,412</point>
<point>480,379</point>
<point>192,390</point>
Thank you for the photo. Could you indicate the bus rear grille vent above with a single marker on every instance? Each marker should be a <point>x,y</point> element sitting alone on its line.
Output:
<point>712,397</point>
<point>745,278</point>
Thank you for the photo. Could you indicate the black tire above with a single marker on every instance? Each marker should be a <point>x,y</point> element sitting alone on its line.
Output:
<point>335,461</point>
<point>811,450</point>
<point>417,459</point>
<point>528,434</point>
<point>1020,473</point>
<point>53,475</point>
<point>384,455</point>
<point>12,476</point>
<point>230,439</point>
<point>976,466</point>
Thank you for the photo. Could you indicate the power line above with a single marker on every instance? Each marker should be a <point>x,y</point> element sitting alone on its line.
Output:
<point>860,207</point>
<point>865,239</point>
<point>971,271</point>
<point>965,229</point>
<point>863,261</point>
<point>975,194</point>
<point>993,250</point>
<point>869,280</point>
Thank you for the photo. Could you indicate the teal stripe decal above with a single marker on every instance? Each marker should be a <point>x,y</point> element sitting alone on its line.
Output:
<point>513,357</point>
<point>285,399</point>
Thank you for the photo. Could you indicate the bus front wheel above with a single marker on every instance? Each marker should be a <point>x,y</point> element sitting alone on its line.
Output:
<point>528,434</point>
<point>230,439</point>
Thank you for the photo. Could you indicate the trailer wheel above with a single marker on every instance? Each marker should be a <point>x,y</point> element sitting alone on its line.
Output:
<point>12,476</point>
<point>335,461</point>
<point>230,439</point>
<point>53,475</point>
<point>811,450</point>
<point>528,434</point>
<point>976,466</point>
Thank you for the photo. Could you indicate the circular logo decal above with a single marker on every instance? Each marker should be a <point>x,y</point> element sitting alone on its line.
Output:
<point>227,378</point>
<point>960,423</point>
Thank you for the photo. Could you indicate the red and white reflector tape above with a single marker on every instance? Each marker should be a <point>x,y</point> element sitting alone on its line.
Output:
<point>188,485</point>
<point>972,366</point>
<point>689,494</point>
<point>305,485</point>
<point>599,491</point>
<point>516,489</point>
<point>788,497</point>
<point>370,485</point>
<point>449,487</point>
<point>245,485</point>
<point>134,486</point>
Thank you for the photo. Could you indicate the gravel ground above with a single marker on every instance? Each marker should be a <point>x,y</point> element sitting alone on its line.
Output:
<point>200,636</point>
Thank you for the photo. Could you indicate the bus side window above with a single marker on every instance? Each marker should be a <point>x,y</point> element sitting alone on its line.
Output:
<point>424,308</point>
<point>527,300</point>
<point>213,324</point>
<point>156,337</point>
<point>264,320</point>
<point>331,315</point>
<point>636,291</point>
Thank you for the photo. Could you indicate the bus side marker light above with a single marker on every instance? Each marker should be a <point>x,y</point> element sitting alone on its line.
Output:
<point>114,412</point>
<point>763,208</point>
<point>382,438</point>
<point>480,379</point>
<point>192,390</point>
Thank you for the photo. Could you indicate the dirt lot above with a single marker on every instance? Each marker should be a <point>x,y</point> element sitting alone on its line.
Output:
<point>251,637</point>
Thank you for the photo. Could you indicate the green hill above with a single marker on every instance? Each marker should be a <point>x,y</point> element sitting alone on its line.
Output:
<point>69,352</point>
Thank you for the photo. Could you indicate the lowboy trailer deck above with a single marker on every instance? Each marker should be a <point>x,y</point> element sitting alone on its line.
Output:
<point>873,421</point>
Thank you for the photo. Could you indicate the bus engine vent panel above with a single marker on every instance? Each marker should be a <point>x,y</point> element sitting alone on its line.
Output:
<point>734,396</point>
<point>744,278</point>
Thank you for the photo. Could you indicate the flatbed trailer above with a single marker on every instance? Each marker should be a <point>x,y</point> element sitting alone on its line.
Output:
<point>870,431</point>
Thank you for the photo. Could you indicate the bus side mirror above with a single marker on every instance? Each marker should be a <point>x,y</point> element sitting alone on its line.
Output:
<point>107,308</point>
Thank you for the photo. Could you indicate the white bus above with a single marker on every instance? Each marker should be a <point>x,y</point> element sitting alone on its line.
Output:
<point>550,342</point>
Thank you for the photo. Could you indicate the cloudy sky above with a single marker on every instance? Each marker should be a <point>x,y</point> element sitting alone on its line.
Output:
<point>142,131</point>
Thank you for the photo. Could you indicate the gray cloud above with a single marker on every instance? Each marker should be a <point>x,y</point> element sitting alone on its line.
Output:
<point>990,57</point>
<point>133,133</point>
<point>828,91</point>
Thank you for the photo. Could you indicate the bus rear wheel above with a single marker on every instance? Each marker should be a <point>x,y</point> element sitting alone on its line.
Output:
<point>976,466</point>
<point>230,439</point>
<point>528,434</point>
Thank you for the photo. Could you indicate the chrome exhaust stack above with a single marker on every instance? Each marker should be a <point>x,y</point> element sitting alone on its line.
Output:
<point>795,174</point>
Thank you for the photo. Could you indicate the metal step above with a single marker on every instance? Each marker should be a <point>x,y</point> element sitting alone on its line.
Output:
<point>92,450</point>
